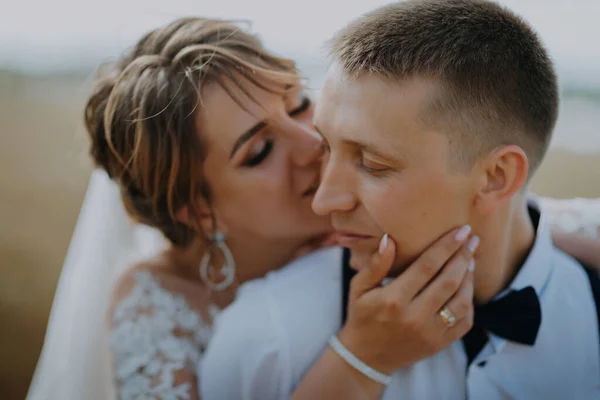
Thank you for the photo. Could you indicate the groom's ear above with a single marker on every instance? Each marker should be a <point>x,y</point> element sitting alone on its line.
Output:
<point>504,172</point>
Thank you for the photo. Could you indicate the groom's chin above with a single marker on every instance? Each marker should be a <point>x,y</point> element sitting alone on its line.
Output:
<point>360,259</point>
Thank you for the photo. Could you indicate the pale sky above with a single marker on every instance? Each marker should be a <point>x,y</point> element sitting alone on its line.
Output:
<point>49,34</point>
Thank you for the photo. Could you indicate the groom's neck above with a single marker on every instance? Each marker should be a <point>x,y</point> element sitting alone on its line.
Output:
<point>506,240</point>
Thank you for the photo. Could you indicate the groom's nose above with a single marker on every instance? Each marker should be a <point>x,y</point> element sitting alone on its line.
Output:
<point>335,191</point>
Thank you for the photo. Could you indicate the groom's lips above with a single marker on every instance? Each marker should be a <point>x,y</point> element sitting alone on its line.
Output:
<point>351,239</point>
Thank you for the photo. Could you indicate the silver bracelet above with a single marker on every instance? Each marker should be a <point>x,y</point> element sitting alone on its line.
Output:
<point>357,364</point>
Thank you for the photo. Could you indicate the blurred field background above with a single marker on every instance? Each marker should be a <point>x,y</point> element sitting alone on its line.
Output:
<point>44,166</point>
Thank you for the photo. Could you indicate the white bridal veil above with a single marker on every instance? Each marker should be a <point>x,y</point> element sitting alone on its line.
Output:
<point>74,362</point>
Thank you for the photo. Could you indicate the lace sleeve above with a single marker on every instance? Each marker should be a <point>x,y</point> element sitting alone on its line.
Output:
<point>574,215</point>
<point>157,340</point>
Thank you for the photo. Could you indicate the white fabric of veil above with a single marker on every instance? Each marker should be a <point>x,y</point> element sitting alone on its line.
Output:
<point>74,363</point>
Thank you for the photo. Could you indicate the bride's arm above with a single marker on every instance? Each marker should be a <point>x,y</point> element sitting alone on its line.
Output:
<point>387,332</point>
<point>575,227</point>
<point>263,341</point>
<point>581,247</point>
<point>332,378</point>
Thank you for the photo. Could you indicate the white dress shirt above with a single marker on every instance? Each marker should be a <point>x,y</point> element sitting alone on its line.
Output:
<point>278,326</point>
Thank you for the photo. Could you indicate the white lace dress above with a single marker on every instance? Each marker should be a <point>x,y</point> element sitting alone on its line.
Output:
<point>157,338</point>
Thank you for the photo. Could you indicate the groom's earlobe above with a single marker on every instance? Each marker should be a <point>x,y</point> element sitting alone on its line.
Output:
<point>504,174</point>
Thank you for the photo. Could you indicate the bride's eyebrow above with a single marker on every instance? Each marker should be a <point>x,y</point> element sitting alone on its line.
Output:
<point>244,137</point>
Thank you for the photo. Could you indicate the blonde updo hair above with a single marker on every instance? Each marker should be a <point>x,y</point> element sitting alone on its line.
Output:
<point>141,114</point>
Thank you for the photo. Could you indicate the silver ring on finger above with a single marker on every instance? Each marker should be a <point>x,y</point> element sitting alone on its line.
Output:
<point>447,316</point>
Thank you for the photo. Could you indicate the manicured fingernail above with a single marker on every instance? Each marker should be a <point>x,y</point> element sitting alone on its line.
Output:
<point>383,243</point>
<point>471,266</point>
<point>463,233</point>
<point>473,244</point>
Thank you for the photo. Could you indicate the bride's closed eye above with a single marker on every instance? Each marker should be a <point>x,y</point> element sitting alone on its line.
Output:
<point>259,152</point>
<point>262,148</point>
<point>303,106</point>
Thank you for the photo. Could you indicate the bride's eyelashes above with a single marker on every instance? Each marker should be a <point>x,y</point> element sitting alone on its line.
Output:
<point>260,151</point>
<point>304,104</point>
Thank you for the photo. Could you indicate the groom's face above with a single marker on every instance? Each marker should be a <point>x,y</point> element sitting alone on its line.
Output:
<point>386,171</point>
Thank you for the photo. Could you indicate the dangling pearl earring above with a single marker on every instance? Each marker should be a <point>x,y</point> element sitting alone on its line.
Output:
<point>227,270</point>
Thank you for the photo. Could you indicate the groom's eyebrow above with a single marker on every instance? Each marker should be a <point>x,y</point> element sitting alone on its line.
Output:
<point>364,146</point>
<point>370,148</point>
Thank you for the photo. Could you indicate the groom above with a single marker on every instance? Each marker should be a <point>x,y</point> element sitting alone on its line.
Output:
<point>436,114</point>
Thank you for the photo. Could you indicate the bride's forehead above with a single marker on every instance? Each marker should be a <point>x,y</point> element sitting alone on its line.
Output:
<point>224,113</point>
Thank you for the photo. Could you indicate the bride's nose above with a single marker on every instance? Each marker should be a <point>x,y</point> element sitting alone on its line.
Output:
<point>307,146</point>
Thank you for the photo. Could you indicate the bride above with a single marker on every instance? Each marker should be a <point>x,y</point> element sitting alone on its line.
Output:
<point>207,140</point>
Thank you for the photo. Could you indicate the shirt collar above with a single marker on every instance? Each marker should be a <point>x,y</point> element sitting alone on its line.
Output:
<point>536,270</point>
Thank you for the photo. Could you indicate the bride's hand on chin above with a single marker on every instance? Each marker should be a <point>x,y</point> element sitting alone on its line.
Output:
<point>394,326</point>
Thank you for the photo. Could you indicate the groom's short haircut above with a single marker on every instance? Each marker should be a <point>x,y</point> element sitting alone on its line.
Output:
<point>497,84</point>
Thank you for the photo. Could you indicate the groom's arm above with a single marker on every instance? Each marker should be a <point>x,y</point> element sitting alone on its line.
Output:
<point>276,329</point>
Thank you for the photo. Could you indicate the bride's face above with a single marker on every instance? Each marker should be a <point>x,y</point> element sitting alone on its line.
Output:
<point>263,161</point>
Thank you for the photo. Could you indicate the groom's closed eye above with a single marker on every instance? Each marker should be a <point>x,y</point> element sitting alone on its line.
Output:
<point>372,167</point>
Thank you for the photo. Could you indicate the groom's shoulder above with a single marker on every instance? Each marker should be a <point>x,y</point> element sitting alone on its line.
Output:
<point>307,289</point>
<point>281,322</point>
<point>568,272</point>
<point>570,317</point>
<point>572,293</point>
<point>307,299</point>
<point>315,278</point>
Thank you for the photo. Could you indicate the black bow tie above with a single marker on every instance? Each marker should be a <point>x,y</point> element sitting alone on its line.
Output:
<point>516,317</point>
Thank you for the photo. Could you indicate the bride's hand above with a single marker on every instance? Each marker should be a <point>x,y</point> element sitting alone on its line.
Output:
<point>584,248</point>
<point>396,325</point>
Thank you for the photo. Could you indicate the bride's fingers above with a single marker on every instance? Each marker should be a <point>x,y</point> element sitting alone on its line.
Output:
<point>460,328</point>
<point>439,291</point>
<point>461,304</point>
<point>420,273</point>
<point>371,276</point>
